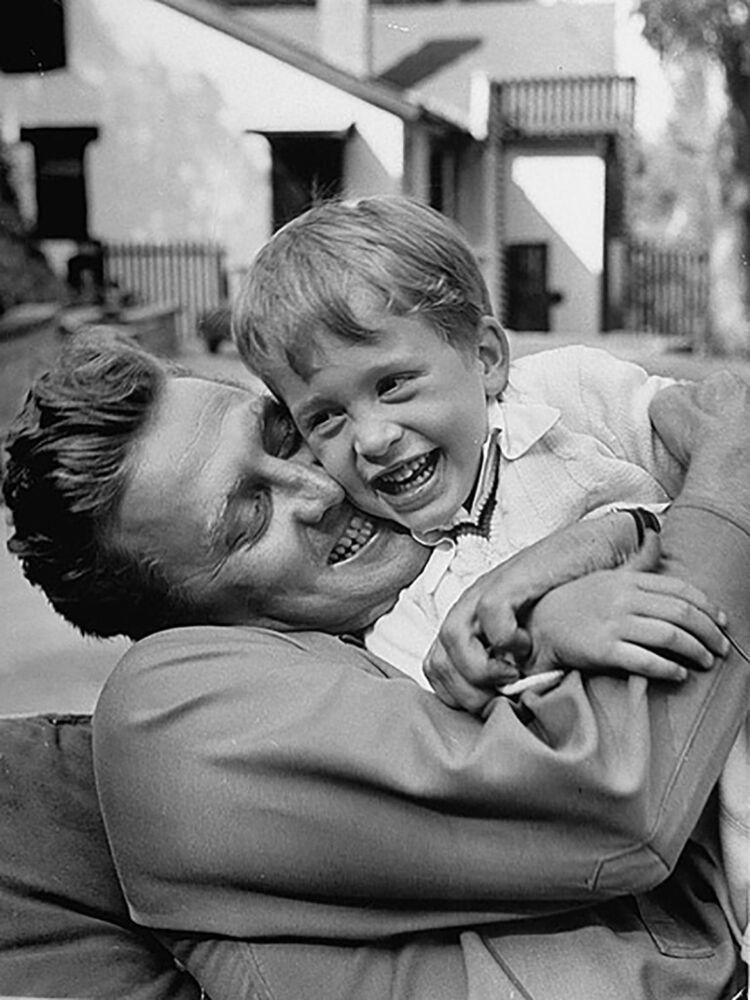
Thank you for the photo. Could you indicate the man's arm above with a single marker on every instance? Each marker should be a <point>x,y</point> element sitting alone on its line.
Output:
<point>262,785</point>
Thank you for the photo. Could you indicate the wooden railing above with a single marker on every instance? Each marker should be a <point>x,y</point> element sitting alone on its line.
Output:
<point>666,290</point>
<point>190,275</point>
<point>567,104</point>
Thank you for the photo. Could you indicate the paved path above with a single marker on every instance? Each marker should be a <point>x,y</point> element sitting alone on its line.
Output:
<point>45,665</point>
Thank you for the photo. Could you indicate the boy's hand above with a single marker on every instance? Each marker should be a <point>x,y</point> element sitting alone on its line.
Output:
<point>627,621</point>
<point>481,642</point>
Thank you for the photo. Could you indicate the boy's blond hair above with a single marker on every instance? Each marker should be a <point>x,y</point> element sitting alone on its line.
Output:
<point>328,268</point>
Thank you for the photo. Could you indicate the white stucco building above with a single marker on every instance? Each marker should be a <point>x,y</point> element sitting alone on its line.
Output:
<point>165,120</point>
<point>556,187</point>
<point>166,105</point>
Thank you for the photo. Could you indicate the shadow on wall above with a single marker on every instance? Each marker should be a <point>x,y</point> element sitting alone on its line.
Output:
<point>568,273</point>
<point>170,162</point>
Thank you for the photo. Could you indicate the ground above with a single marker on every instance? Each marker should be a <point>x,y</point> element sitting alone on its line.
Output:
<point>47,666</point>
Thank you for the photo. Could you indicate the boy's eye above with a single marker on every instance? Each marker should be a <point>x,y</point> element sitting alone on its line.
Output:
<point>321,420</point>
<point>392,383</point>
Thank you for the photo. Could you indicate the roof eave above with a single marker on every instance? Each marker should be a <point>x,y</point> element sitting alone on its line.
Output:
<point>379,94</point>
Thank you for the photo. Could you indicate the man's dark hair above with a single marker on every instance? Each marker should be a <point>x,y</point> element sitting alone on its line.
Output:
<point>68,455</point>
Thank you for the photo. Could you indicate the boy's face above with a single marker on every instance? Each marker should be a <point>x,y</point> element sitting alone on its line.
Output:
<point>400,421</point>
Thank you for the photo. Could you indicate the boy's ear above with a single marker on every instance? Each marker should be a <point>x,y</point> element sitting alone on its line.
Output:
<point>493,354</point>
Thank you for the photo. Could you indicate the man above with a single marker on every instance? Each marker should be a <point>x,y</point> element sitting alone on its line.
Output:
<point>299,819</point>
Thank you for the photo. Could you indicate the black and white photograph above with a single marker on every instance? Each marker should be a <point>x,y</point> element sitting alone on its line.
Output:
<point>375,474</point>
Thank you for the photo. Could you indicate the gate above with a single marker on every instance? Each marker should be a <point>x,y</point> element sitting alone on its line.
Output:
<point>666,291</point>
<point>189,275</point>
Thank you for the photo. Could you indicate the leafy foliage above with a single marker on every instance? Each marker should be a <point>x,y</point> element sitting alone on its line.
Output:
<point>720,28</point>
<point>714,26</point>
<point>720,31</point>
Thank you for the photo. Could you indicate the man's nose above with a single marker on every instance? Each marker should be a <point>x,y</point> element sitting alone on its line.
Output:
<point>310,490</point>
<point>374,435</point>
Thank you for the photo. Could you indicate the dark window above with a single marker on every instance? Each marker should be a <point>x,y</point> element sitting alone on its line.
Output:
<point>437,187</point>
<point>445,154</point>
<point>60,181</point>
<point>527,296</point>
<point>32,35</point>
<point>306,168</point>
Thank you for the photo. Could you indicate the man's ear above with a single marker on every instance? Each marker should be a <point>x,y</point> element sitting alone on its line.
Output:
<point>493,354</point>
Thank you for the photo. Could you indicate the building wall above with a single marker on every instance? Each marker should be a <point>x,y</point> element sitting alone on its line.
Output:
<point>569,270</point>
<point>174,101</point>
<point>517,39</point>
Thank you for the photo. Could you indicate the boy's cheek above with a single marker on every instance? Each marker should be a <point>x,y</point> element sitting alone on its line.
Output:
<point>354,484</point>
<point>341,468</point>
<point>357,487</point>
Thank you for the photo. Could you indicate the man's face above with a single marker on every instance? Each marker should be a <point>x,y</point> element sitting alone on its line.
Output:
<point>252,535</point>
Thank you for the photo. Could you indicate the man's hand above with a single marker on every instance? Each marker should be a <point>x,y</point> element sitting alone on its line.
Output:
<point>688,415</point>
<point>707,424</point>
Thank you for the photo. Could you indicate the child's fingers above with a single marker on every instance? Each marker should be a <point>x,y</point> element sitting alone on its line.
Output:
<point>636,659</point>
<point>469,631</point>
<point>665,637</point>
<point>450,684</point>
<point>680,614</point>
<point>496,621</point>
<point>457,628</point>
<point>651,583</point>
<point>516,646</point>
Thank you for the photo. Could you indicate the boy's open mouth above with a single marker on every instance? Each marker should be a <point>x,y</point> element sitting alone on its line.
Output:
<point>358,533</point>
<point>407,476</point>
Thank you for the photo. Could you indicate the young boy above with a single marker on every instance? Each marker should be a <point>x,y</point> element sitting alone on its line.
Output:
<point>372,322</point>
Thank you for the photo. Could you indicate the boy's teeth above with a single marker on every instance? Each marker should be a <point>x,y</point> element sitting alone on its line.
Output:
<point>406,476</point>
<point>358,533</point>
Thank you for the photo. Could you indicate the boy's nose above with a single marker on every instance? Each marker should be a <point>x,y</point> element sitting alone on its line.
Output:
<point>375,436</point>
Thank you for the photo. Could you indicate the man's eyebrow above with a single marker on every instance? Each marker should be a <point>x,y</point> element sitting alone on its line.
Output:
<point>218,524</point>
<point>225,523</point>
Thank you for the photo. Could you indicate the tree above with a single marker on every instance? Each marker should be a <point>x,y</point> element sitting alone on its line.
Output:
<point>674,192</point>
<point>721,30</point>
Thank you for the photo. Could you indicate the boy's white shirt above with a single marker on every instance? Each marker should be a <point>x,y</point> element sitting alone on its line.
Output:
<point>571,437</point>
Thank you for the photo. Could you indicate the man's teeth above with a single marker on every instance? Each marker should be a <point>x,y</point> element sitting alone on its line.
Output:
<point>407,476</point>
<point>358,533</point>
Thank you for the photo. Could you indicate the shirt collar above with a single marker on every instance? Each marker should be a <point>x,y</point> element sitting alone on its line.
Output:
<point>514,428</point>
<point>521,425</point>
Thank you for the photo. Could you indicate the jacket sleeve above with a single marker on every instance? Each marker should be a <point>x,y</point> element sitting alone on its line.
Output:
<point>259,785</point>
